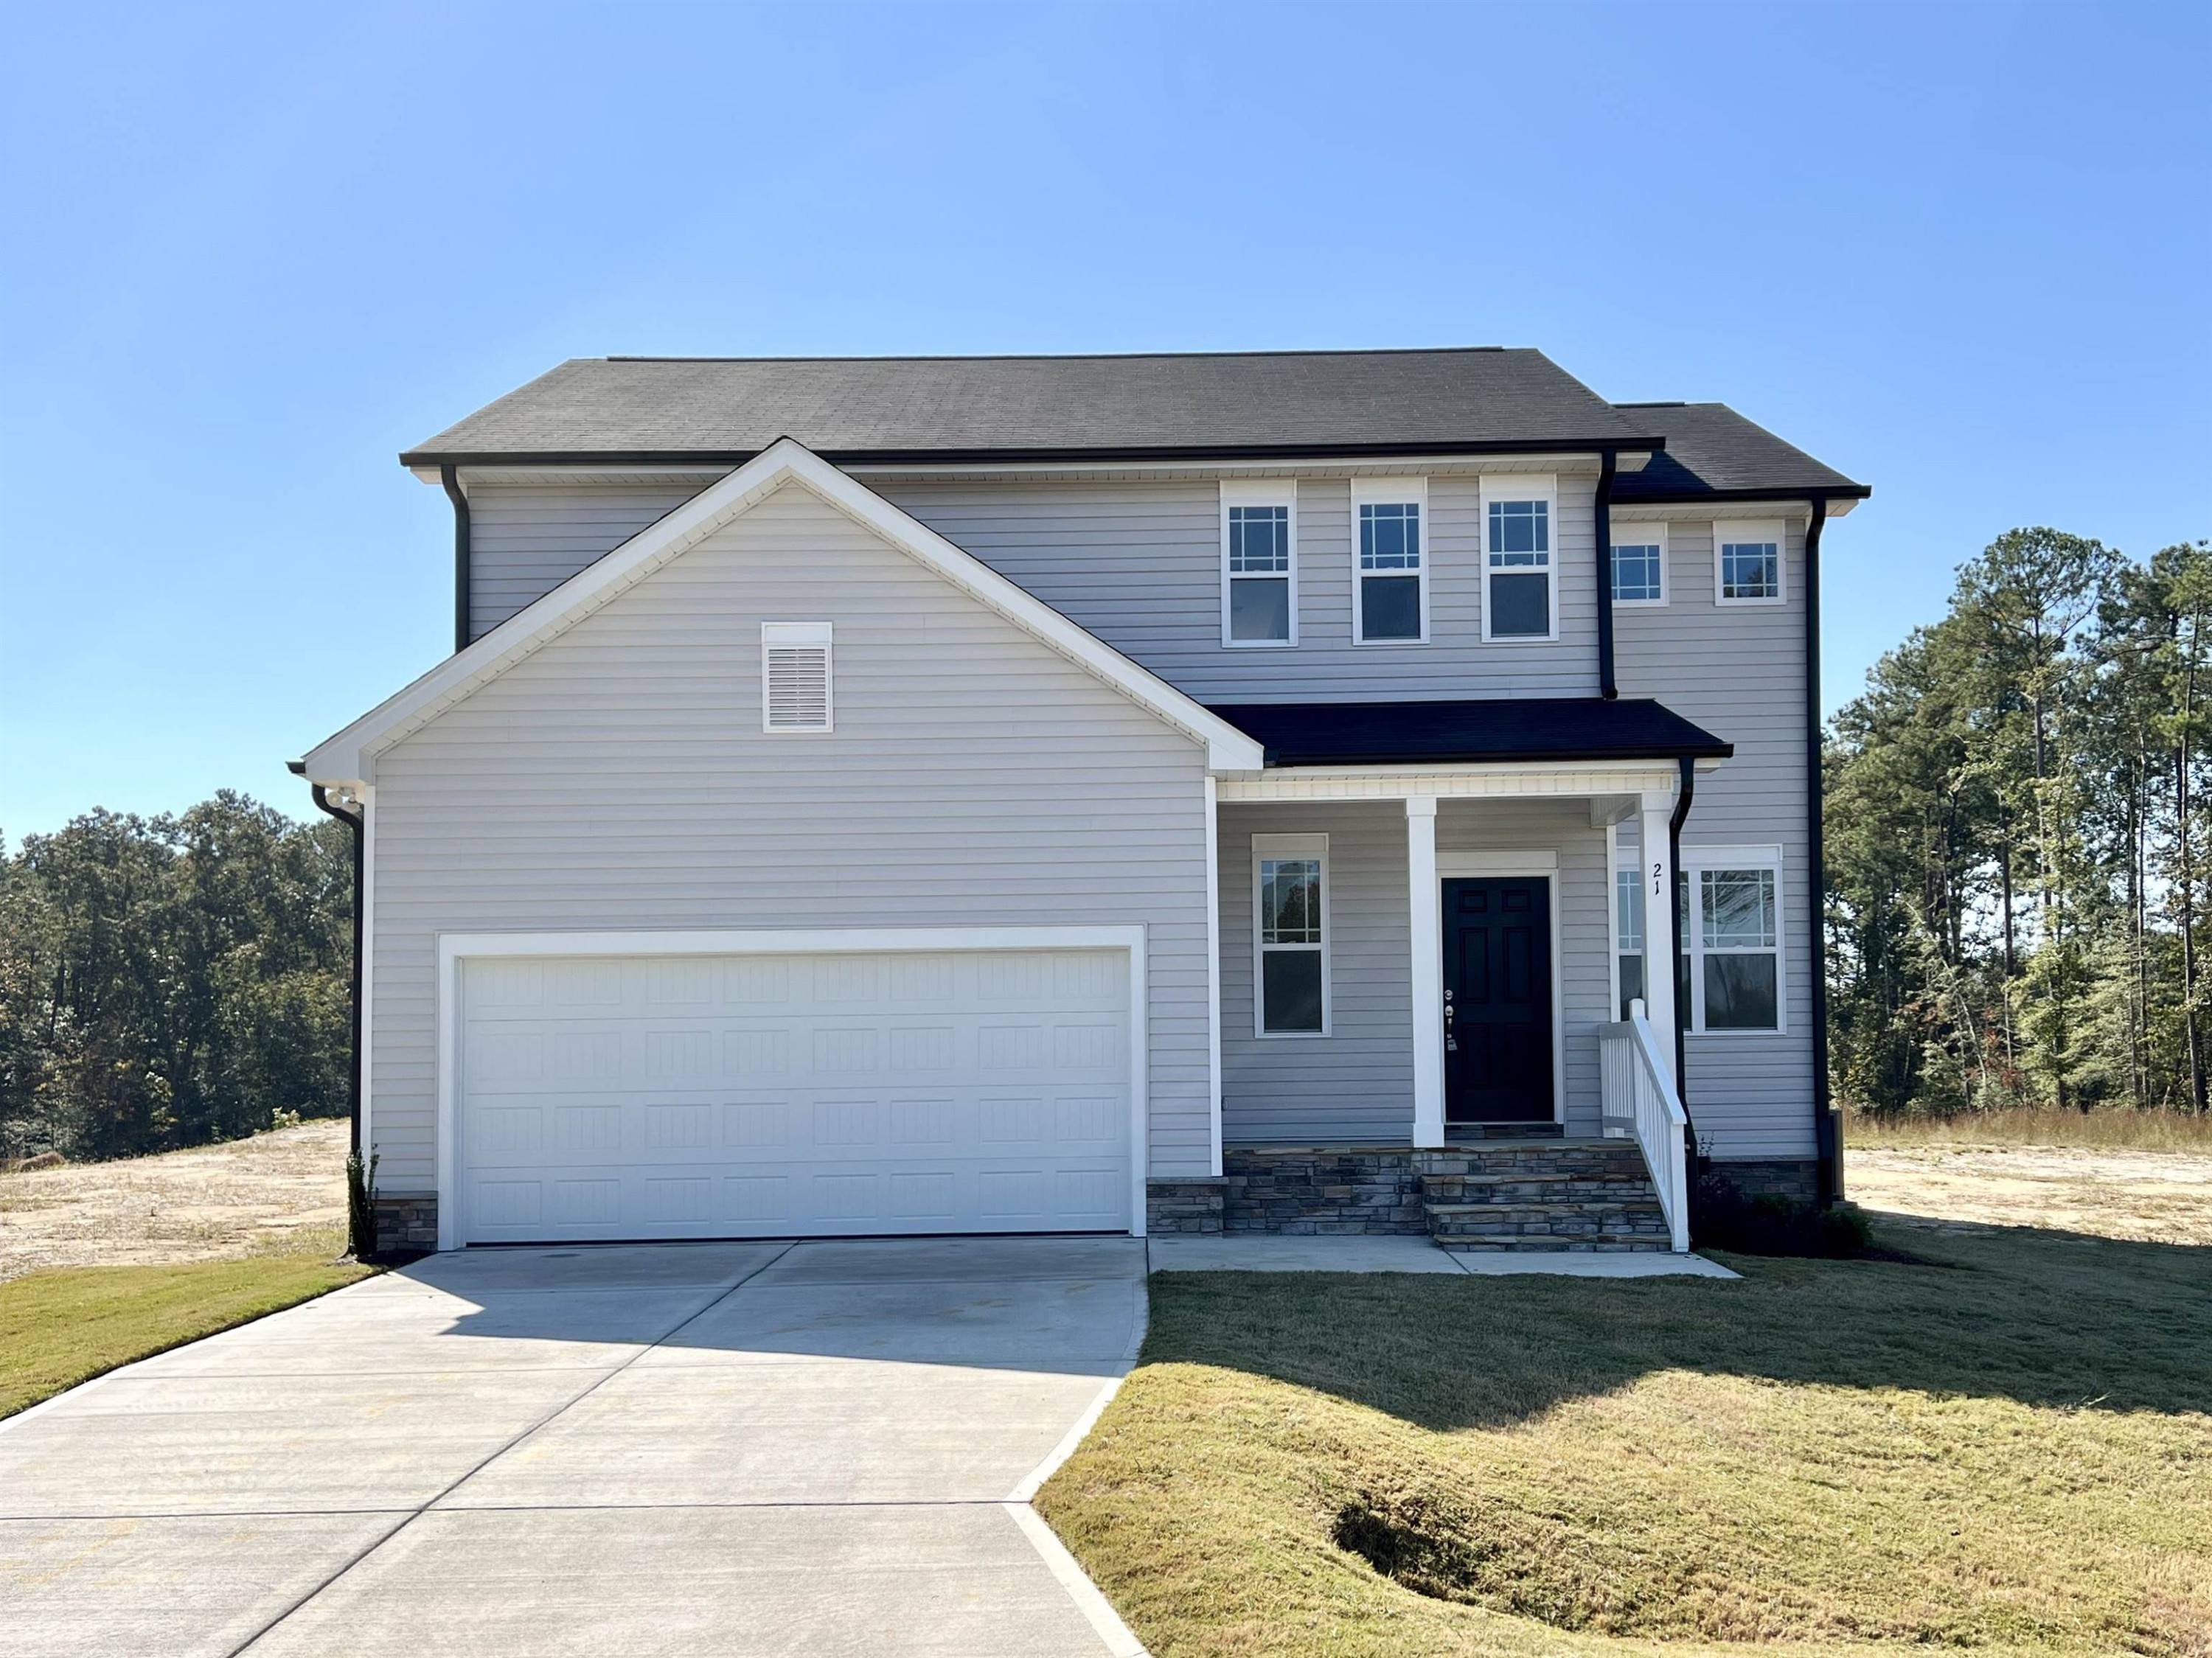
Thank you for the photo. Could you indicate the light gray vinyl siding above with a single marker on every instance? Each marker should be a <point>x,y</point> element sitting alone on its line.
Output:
<point>1139,563</point>
<point>525,539</point>
<point>619,779</point>
<point>1739,672</point>
<point>1355,1086</point>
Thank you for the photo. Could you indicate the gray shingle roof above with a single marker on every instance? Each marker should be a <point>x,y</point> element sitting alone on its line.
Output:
<point>851,408</point>
<point>1714,453</point>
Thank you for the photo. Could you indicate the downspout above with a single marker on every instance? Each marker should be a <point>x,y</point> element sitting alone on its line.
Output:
<point>1827,1128</point>
<point>1683,796</point>
<point>1607,687</point>
<point>354,820</point>
<point>449,476</point>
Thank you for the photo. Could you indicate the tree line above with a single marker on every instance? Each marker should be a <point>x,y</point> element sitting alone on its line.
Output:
<point>2017,842</point>
<point>172,981</point>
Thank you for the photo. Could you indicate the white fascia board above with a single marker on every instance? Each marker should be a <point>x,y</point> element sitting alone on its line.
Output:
<point>350,755</point>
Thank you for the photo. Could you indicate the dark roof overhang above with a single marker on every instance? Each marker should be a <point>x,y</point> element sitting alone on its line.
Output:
<point>1224,453</point>
<point>1492,731</point>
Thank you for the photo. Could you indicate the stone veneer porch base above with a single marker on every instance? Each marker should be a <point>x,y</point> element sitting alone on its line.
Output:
<point>1545,1193</point>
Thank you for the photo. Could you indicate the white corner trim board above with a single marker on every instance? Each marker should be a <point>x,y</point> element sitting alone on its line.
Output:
<point>455,948</point>
<point>350,756</point>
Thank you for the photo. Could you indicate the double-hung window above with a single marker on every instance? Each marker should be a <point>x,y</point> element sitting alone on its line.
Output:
<point>1736,981</point>
<point>1520,598</point>
<point>1290,952</point>
<point>1390,600</point>
<point>1259,564</point>
<point>1639,563</point>
<point>1747,562</point>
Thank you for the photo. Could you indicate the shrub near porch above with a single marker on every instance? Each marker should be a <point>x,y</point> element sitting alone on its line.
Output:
<point>2005,1443</point>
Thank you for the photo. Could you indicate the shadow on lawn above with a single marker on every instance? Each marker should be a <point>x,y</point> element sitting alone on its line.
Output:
<point>2046,1318</point>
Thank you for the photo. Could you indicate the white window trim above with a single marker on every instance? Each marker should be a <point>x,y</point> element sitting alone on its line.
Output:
<point>1259,492</point>
<point>804,635</point>
<point>1643,532</point>
<point>1696,860</point>
<point>1754,528</point>
<point>1388,491</point>
<point>1289,845</point>
<point>1534,486</point>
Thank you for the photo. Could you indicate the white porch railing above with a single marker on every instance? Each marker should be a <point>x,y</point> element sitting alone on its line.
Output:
<point>1638,1098</point>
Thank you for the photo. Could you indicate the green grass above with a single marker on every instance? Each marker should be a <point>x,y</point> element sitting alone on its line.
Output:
<point>67,1325</point>
<point>2004,1445</point>
<point>2099,1129</point>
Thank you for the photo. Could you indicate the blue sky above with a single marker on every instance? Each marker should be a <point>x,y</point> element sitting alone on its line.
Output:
<point>1957,251</point>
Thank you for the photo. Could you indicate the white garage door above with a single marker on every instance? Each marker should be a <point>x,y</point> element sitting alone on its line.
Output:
<point>779,1095</point>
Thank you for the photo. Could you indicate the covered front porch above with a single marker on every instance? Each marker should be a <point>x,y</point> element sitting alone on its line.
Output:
<point>1425,974</point>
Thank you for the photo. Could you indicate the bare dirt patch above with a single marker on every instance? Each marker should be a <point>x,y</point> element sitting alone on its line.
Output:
<point>2149,1197</point>
<point>202,1204</point>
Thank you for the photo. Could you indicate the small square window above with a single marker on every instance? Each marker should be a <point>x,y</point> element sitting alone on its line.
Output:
<point>1748,563</point>
<point>1638,568</point>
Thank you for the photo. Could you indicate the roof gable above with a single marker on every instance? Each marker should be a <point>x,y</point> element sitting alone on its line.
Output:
<point>350,755</point>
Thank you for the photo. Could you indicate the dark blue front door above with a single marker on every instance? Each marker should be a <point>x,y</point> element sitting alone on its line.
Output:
<point>1497,999</point>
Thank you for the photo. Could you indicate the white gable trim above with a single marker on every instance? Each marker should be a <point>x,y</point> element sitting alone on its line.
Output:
<point>350,756</point>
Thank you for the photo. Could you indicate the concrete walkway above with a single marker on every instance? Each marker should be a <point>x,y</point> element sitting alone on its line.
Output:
<point>657,1449</point>
<point>1277,1252</point>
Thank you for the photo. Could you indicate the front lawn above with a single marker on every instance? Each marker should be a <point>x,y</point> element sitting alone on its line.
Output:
<point>2005,1445</point>
<point>68,1324</point>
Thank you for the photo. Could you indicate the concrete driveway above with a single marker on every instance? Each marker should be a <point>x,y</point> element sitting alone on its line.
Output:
<point>651,1449</point>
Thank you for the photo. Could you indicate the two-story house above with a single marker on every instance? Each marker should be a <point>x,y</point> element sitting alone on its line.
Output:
<point>875,796</point>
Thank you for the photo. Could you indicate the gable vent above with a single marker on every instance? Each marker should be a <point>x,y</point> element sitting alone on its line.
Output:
<point>795,676</point>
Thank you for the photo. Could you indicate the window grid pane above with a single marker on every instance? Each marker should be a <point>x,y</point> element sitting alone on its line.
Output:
<point>1628,907</point>
<point>1750,569</point>
<point>1289,901</point>
<point>1258,540</point>
<point>1636,570</point>
<point>1738,908</point>
<point>1520,534</point>
<point>1390,536</point>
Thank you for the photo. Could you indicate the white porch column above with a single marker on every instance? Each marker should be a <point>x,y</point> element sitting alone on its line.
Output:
<point>1425,904</point>
<point>1657,851</point>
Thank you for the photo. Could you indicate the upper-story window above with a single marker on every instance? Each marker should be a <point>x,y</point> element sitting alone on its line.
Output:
<point>1639,563</point>
<point>1747,562</point>
<point>1520,596</point>
<point>1258,563</point>
<point>1390,600</point>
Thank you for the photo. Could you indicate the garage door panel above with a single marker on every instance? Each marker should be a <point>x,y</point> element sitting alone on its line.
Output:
<point>724,1096</point>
